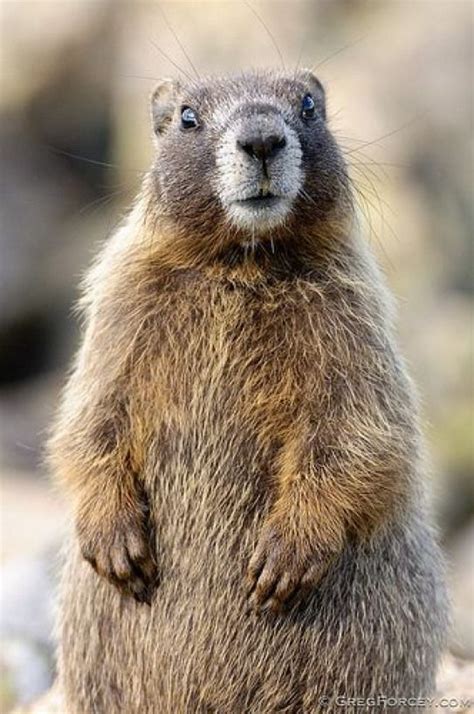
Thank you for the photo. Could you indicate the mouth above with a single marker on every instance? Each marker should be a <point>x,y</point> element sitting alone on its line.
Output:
<point>268,200</point>
<point>260,212</point>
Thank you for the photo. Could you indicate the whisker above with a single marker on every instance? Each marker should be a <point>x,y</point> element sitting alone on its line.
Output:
<point>103,200</point>
<point>306,196</point>
<point>300,56</point>
<point>268,31</point>
<point>70,155</point>
<point>371,186</point>
<point>386,136</point>
<point>93,162</point>
<point>178,41</point>
<point>368,168</point>
<point>334,115</point>
<point>171,61</point>
<point>337,52</point>
<point>365,204</point>
<point>369,173</point>
<point>140,76</point>
<point>377,164</point>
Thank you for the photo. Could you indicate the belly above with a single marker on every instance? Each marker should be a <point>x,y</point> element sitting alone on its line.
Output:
<point>209,477</point>
<point>208,493</point>
<point>198,649</point>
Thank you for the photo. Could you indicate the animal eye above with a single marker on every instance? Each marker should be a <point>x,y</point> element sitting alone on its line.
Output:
<point>308,107</point>
<point>189,119</point>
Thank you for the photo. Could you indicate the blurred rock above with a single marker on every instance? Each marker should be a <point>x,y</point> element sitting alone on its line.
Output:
<point>28,669</point>
<point>26,625</point>
<point>462,592</point>
<point>33,517</point>
<point>49,703</point>
<point>33,523</point>
<point>456,685</point>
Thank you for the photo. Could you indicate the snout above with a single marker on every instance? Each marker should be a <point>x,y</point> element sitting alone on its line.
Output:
<point>262,147</point>
<point>261,135</point>
<point>260,172</point>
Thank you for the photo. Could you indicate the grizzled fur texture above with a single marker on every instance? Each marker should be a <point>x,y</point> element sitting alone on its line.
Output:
<point>239,435</point>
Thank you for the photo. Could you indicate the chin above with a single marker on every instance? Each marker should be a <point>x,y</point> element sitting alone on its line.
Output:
<point>259,218</point>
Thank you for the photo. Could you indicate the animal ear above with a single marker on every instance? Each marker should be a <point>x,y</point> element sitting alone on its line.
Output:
<point>316,89</point>
<point>163,103</point>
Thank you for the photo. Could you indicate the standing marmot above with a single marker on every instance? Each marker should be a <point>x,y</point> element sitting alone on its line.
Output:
<point>239,434</point>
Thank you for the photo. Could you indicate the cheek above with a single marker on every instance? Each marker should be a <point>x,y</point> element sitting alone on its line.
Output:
<point>290,171</point>
<point>186,166</point>
<point>324,166</point>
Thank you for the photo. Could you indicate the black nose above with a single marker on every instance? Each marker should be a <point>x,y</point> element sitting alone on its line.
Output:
<point>259,147</point>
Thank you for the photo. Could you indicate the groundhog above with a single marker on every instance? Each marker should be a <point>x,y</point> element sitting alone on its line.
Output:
<point>239,435</point>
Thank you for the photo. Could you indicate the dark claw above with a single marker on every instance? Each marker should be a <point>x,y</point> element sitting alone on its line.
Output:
<point>131,570</point>
<point>141,594</point>
<point>280,576</point>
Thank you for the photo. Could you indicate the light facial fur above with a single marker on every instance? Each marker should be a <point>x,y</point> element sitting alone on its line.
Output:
<point>242,178</point>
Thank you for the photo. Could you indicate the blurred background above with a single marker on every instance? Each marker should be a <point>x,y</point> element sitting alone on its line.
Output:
<point>75,140</point>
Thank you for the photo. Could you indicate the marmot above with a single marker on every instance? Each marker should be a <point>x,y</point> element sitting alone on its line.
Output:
<point>239,434</point>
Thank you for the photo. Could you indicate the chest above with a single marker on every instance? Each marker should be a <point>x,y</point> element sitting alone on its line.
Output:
<point>252,353</point>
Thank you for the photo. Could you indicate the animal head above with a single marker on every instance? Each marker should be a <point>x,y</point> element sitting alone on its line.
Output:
<point>247,159</point>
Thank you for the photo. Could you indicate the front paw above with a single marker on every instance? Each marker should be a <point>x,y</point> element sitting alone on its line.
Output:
<point>282,571</point>
<point>117,547</point>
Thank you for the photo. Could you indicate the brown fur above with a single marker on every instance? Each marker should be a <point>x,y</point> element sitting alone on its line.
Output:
<point>242,420</point>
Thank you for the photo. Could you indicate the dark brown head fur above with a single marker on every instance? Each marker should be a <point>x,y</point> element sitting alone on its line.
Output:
<point>201,174</point>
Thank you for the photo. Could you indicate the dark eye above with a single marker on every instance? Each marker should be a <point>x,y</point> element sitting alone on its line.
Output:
<point>308,107</point>
<point>189,118</point>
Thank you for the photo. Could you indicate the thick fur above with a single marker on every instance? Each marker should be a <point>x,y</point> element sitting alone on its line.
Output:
<point>239,437</point>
